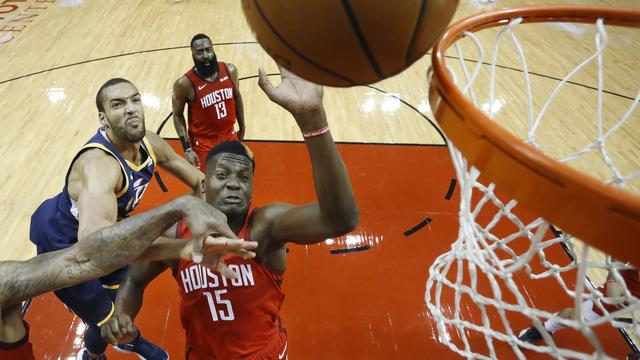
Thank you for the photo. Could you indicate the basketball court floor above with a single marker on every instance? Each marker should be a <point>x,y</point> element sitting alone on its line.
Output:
<point>360,296</point>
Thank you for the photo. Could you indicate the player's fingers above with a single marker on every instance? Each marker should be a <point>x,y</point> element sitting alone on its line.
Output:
<point>196,252</point>
<point>233,244</point>
<point>216,241</point>
<point>132,330</point>
<point>123,321</point>
<point>221,246</point>
<point>127,326</point>
<point>223,269</point>
<point>264,83</point>
<point>244,250</point>
<point>107,335</point>
<point>243,245</point>
<point>225,232</point>
<point>114,327</point>
<point>221,230</point>
<point>109,338</point>
<point>244,253</point>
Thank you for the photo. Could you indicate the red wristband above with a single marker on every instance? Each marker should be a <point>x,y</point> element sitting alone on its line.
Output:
<point>313,133</point>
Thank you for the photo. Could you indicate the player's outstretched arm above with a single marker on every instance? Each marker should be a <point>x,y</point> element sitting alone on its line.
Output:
<point>336,211</point>
<point>169,160</point>
<point>110,248</point>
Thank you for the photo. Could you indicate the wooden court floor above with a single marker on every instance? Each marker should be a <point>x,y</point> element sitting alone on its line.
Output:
<point>54,55</point>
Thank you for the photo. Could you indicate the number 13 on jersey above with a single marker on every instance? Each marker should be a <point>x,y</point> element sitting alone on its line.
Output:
<point>221,110</point>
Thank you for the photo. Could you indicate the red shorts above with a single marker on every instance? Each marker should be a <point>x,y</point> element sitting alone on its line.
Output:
<point>19,350</point>
<point>202,145</point>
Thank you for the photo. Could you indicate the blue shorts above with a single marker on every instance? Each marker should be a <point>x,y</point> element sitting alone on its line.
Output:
<point>93,301</point>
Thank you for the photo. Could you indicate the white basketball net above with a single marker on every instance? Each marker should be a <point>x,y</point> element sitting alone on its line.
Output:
<point>479,292</point>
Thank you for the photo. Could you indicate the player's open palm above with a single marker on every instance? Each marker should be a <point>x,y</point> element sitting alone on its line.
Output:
<point>295,94</point>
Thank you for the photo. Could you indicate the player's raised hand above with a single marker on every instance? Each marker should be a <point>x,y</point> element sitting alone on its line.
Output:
<point>296,95</point>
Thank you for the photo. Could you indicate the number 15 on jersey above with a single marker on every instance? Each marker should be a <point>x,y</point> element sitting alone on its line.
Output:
<point>220,308</point>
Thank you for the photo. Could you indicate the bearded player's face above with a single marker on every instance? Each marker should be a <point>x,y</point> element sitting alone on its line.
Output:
<point>204,58</point>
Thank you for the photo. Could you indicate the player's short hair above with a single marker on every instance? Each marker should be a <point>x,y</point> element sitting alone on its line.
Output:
<point>231,147</point>
<point>100,93</point>
<point>197,37</point>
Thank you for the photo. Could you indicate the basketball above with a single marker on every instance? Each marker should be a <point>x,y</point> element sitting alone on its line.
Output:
<point>346,43</point>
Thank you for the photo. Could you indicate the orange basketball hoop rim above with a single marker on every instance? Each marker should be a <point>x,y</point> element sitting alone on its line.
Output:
<point>602,215</point>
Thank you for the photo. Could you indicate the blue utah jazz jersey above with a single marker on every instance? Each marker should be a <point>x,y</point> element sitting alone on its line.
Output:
<point>54,225</point>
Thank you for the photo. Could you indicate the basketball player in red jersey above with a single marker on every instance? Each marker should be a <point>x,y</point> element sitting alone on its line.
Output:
<point>239,319</point>
<point>211,92</point>
<point>613,288</point>
<point>103,252</point>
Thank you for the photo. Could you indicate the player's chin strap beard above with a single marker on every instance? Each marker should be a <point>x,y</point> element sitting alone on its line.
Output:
<point>207,71</point>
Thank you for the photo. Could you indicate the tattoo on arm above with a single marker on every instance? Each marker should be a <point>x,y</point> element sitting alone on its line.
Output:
<point>103,251</point>
<point>20,280</point>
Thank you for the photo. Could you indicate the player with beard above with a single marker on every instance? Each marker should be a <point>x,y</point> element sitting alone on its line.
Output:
<point>241,319</point>
<point>104,183</point>
<point>211,92</point>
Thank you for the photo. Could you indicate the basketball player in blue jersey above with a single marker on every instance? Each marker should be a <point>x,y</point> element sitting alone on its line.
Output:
<point>104,183</point>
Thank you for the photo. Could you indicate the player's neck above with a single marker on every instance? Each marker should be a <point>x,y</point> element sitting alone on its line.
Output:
<point>235,223</point>
<point>129,150</point>
<point>206,78</point>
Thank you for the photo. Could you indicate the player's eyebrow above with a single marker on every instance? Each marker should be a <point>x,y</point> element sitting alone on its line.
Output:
<point>121,98</point>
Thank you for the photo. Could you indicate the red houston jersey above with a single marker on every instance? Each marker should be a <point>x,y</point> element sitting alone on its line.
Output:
<point>213,111</point>
<point>231,318</point>
<point>20,350</point>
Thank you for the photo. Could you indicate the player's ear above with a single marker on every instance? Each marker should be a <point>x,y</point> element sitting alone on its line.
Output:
<point>102,117</point>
